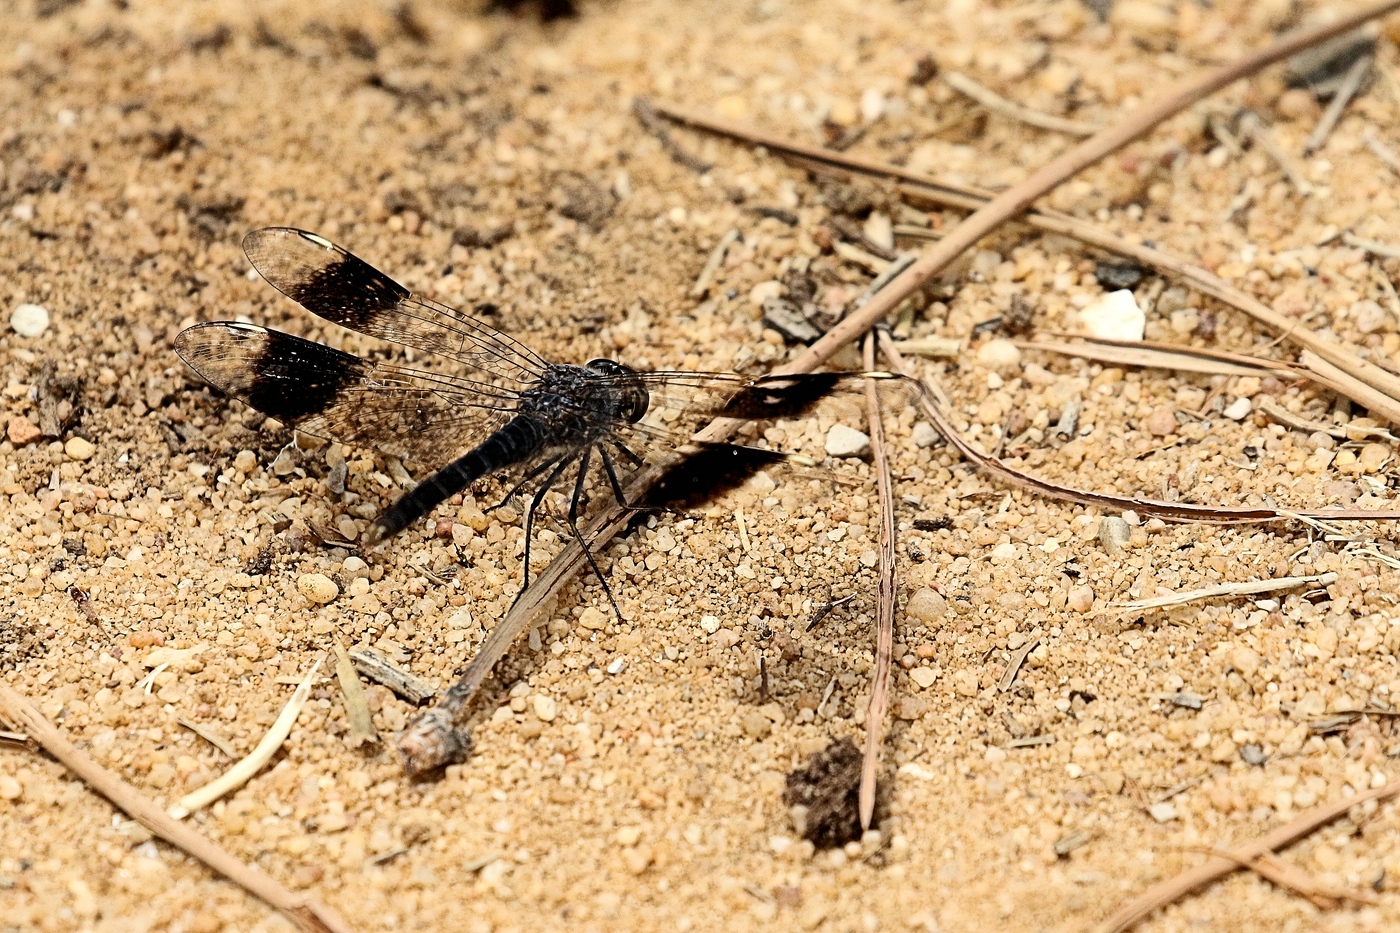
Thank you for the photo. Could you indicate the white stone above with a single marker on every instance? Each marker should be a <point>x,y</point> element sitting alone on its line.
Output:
<point>872,105</point>
<point>765,290</point>
<point>29,320</point>
<point>842,441</point>
<point>1238,409</point>
<point>710,624</point>
<point>1006,551</point>
<point>923,676</point>
<point>999,354</point>
<point>925,435</point>
<point>1162,812</point>
<point>545,707</point>
<point>317,587</point>
<point>1115,316</point>
<point>879,229</point>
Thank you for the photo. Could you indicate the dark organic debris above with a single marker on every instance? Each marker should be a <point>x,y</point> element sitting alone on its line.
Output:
<point>646,115</point>
<point>781,214</point>
<point>787,319</point>
<point>1323,67</point>
<point>826,791</point>
<point>212,41</point>
<point>586,201</point>
<point>548,9</point>
<point>210,217</point>
<point>1116,275</point>
<point>480,238</point>
<point>165,142</point>
<point>925,70</point>
<point>59,401</point>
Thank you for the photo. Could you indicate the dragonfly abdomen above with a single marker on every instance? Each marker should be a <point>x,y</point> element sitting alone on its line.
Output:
<point>520,438</point>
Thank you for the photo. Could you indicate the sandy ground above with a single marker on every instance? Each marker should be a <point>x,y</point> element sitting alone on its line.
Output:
<point>629,775</point>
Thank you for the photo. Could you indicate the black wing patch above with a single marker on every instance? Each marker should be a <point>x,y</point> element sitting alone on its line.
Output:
<point>338,286</point>
<point>419,416</point>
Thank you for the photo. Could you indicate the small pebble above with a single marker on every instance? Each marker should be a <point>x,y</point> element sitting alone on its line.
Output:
<point>1114,533</point>
<point>1373,457</point>
<point>842,441</point>
<point>766,290</point>
<point>872,105</point>
<point>29,320</point>
<point>879,229</point>
<point>925,435</point>
<point>21,431</point>
<point>1238,409</point>
<point>710,624</point>
<point>1000,355</point>
<point>317,587</point>
<point>10,788</point>
<point>79,448</point>
<point>1162,812</point>
<point>545,707</point>
<point>593,618</point>
<point>926,605</point>
<point>757,725</point>
<point>1080,599</point>
<point>1115,316</point>
<point>1162,421</point>
<point>1253,755</point>
<point>923,676</point>
<point>616,665</point>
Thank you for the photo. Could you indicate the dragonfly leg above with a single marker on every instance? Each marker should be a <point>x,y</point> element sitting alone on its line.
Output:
<point>520,485</point>
<point>573,524</point>
<point>612,478</point>
<point>535,501</point>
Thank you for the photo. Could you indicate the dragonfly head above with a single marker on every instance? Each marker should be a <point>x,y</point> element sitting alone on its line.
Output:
<point>628,393</point>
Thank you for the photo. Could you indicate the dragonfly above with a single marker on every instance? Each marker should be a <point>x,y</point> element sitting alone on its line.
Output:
<point>496,409</point>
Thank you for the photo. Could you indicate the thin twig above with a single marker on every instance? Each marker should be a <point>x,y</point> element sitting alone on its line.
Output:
<point>995,102</point>
<point>374,666</point>
<point>1248,588</point>
<point>208,735</point>
<point>356,706</point>
<point>1362,372</point>
<point>1298,423</point>
<point>1166,892</point>
<point>432,739</point>
<point>238,775</point>
<point>304,912</point>
<point>1274,869</point>
<point>646,115</point>
<point>1172,511</point>
<point>1018,657</point>
<point>884,613</point>
<point>1379,403</point>
<point>1165,356</point>
<point>1371,246</point>
<point>707,272</point>
<point>1383,152</point>
<point>1351,82</point>
<point>1254,128</point>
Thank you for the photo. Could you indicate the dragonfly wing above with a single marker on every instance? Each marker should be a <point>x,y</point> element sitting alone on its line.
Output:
<point>419,416</point>
<point>336,285</point>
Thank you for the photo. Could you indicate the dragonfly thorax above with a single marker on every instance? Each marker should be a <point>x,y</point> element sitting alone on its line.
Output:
<point>578,405</point>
